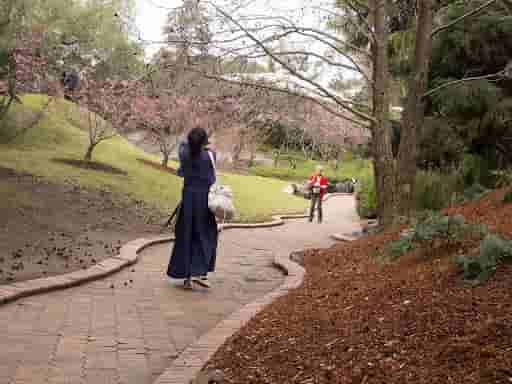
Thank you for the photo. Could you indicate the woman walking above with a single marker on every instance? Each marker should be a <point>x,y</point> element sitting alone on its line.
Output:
<point>195,248</point>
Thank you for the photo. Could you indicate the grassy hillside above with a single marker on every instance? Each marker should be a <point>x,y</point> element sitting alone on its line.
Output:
<point>56,135</point>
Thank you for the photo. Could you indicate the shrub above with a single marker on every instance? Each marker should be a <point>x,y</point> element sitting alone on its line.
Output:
<point>502,178</point>
<point>473,192</point>
<point>435,190</point>
<point>429,226</point>
<point>400,247</point>
<point>472,169</point>
<point>507,199</point>
<point>481,267</point>
<point>367,197</point>
<point>433,225</point>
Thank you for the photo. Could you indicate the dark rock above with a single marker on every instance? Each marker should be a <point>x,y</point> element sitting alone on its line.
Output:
<point>297,257</point>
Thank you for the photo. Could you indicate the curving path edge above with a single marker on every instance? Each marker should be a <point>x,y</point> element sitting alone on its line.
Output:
<point>128,255</point>
<point>190,362</point>
<point>193,358</point>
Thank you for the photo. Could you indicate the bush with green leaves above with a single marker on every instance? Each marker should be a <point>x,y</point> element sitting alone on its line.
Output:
<point>493,250</point>
<point>471,169</point>
<point>507,199</point>
<point>399,247</point>
<point>473,192</point>
<point>367,197</point>
<point>429,226</point>
<point>502,178</point>
<point>436,190</point>
<point>434,225</point>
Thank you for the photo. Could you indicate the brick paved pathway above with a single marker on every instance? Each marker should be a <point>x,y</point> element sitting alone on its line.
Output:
<point>129,327</point>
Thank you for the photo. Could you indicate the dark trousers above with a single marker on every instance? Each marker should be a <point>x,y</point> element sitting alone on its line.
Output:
<point>316,202</point>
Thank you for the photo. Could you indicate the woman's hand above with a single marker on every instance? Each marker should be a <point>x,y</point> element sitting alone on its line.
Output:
<point>211,146</point>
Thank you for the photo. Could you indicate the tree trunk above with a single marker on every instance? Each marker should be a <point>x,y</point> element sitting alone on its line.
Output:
<point>383,161</point>
<point>252,156</point>
<point>88,154</point>
<point>413,116</point>
<point>165,159</point>
<point>237,150</point>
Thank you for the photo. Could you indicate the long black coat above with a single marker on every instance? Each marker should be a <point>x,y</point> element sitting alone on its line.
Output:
<point>195,250</point>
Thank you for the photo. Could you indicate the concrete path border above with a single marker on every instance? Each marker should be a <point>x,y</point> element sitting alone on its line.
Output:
<point>127,256</point>
<point>191,361</point>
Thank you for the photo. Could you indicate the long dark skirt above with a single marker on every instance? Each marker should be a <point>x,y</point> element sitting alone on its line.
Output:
<point>195,249</point>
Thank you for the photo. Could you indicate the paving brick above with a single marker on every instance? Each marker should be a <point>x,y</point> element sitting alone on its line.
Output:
<point>102,376</point>
<point>131,333</point>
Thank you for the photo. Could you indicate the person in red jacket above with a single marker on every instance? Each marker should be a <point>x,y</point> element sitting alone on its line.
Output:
<point>318,185</point>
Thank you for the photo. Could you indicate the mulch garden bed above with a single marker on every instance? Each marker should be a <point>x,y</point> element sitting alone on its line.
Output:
<point>48,228</point>
<point>357,321</point>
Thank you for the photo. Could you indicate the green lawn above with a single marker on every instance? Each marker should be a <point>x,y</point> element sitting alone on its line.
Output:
<point>54,136</point>
<point>347,168</point>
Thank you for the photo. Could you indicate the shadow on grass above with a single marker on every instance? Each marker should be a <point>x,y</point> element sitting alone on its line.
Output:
<point>158,166</point>
<point>102,167</point>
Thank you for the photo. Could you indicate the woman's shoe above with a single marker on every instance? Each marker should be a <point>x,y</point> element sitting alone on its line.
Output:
<point>202,281</point>
<point>187,284</point>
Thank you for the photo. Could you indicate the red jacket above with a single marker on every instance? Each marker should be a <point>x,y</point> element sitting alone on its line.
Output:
<point>321,180</point>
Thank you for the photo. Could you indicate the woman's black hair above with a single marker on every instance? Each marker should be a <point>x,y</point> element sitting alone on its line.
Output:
<point>197,140</point>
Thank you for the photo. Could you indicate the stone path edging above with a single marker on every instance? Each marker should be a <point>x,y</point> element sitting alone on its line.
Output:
<point>344,238</point>
<point>127,256</point>
<point>190,362</point>
<point>349,237</point>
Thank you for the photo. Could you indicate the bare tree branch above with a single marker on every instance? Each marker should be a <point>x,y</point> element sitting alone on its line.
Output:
<point>338,50</point>
<point>286,91</point>
<point>313,54</point>
<point>330,37</point>
<point>328,94</point>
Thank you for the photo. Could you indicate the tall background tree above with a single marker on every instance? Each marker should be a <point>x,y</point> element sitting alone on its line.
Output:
<point>364,43</point>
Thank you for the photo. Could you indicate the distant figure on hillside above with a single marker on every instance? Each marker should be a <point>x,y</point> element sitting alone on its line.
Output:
<point>318,186</point>
<point>70,81</point>
<point>195,248</point>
